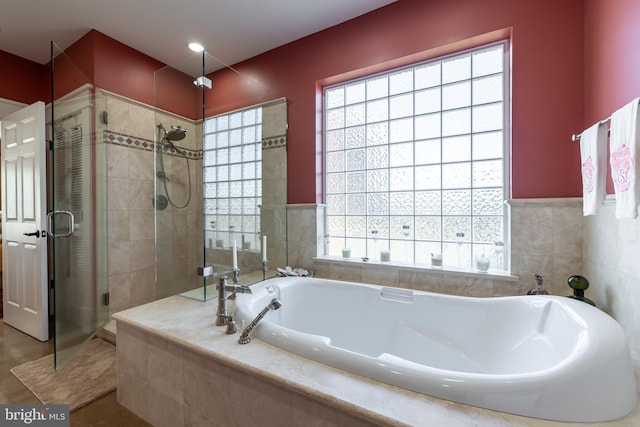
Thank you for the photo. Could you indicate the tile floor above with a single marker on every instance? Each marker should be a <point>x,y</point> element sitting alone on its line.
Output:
<point>17,348</point>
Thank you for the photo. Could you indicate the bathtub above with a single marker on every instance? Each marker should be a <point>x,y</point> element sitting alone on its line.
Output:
<point>546,357</point>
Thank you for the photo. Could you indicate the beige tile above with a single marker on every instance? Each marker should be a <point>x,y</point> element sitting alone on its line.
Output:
<point>310,413</point>
<point>132,354</point>
<point>118,110</point>
<point>567,231</point>
<point>563,268</point>
<point>117,161</point>
<point>119,292</point>
<point>142,254</point>
<point>467,286</point>
<point>118,225</point>
<point>193,418</point>
<point>141,224</point>
<point>133,394</point>
<point>380,275</point>
<point>206,388</point>
<point>143,286</point>
<point>526,266</point>
<point>118,193</point>
<point>141,194</point>
<point>271,405</point>
<point>141,122</point>
<point>179,223</point>
<point>532,230</point>
<point>163,410</point>
<point>274,120</point>
<point>141,165</point>
<point>118,257</point>
<point>165,367</point>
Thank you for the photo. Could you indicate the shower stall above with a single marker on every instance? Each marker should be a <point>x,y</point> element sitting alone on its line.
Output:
<point>216,187</point>
<point>143,197</point>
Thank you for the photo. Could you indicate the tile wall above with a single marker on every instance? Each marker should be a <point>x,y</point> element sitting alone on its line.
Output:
<point>273,214</point>
<point>611,254</point>
<point>546,239</point>
<point>130,136</point>
<point>173,385</point>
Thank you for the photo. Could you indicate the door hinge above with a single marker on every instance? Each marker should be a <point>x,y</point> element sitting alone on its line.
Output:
<point>52,284</point>
<point>50,141</point>
<point>105,298</point>
<point>105,117</point>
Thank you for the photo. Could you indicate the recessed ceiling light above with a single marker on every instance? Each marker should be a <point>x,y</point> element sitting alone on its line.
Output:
<point>196,47</point>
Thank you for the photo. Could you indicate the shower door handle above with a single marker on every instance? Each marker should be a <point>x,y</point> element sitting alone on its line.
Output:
<point>51,231</point>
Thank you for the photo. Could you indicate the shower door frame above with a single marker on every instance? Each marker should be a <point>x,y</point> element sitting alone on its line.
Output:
<point>80,292</point>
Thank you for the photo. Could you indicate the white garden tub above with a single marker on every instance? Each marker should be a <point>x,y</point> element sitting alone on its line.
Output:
<point>546,357</point>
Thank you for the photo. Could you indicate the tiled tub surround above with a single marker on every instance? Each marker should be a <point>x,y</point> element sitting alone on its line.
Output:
<point>546,239</point>
<point>176,368</point>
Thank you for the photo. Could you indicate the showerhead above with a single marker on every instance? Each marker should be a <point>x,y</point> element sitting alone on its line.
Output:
<point>175,134</point>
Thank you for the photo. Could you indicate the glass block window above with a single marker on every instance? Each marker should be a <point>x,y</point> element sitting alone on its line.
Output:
<point>232,179</point>
<point>415,160</point>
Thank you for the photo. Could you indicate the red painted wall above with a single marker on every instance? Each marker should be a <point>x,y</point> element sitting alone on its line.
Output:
<point>110,65</point>
<point>612,59</point>
<point>547,80</point>
<point>21,80</point>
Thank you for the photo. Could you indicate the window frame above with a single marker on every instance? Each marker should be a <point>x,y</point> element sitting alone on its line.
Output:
<point>506,145</point>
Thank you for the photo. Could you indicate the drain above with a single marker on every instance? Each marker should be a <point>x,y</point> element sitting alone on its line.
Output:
<point>160,202</point>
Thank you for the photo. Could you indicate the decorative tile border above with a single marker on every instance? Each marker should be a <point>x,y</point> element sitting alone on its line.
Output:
<point>279,141</point>
<point>144,144</point>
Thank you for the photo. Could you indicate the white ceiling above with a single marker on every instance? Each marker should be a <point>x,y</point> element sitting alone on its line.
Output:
<point>230,30</point>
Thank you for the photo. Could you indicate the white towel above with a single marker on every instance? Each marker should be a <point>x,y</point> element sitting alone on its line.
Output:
<point>623,159</point>
<point>593,153</point>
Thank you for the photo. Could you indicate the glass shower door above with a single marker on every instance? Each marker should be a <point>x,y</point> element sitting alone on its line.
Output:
<point>77,218</point>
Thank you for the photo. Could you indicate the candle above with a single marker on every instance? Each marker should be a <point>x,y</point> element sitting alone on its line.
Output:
<point>346,253</point>
<point>385,256</point>
<point>235,255</point>
<point>264,248</point>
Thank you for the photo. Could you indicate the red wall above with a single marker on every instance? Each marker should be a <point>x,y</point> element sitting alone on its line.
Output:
<point>21,80</point>
<point>110,65</point>
<point>612,59</point>
<point>547,80</point>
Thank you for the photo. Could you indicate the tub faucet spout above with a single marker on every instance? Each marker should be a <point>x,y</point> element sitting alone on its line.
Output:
<point>273,305</point>
<point>222,317</point>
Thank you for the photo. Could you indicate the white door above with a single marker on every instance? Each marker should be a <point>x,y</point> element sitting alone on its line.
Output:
<point>24,248</point>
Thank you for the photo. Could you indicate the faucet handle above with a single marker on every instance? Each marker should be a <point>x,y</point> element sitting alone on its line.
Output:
<point>231,325</point>
<point>222,282</point>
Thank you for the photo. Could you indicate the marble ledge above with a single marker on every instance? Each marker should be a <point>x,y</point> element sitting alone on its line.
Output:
<point>546,202</point>
<point>419,268</point>
<point>190,324</point>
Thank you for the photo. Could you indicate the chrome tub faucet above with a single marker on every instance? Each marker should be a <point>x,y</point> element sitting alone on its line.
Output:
<point>222,317</point>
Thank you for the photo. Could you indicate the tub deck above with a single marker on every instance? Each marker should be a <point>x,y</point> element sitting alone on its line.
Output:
<point>176,331</point>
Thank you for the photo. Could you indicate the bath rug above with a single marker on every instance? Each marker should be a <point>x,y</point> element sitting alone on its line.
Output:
<point>90,375</point>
